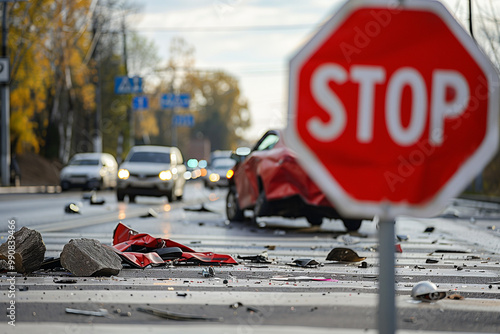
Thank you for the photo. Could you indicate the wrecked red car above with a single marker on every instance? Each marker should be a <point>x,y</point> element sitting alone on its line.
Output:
<point>270,182</point>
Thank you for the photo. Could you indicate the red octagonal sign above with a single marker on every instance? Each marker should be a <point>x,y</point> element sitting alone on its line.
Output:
<point>393,109</point>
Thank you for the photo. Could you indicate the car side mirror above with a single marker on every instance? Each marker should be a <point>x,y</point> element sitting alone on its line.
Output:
<point>240,154</point>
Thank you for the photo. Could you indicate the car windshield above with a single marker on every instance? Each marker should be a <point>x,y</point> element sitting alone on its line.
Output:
<point>154,157</point>
<point>84,162</point>
<point>223,163</point>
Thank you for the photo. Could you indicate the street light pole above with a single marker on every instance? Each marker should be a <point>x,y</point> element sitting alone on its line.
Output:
<point>5,116</point>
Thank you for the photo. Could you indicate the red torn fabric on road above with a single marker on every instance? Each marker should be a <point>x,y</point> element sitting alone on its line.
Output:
<point>138,249</point>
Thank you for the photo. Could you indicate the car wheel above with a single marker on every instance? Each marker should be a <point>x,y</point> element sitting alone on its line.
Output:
<point>233,211</point>
<point>131,198</point>
<point>65,185</point>
<point>314,219</point>
<point>120,196</point>
<point>260,206</point>
<point>352,225</point>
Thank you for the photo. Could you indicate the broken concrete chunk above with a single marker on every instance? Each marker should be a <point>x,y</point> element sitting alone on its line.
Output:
<point>29,250</point>
<point>88,257</point>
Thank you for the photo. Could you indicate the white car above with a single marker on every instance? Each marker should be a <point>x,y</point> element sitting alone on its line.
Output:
<point>151,171</point>
<point>90,171</point>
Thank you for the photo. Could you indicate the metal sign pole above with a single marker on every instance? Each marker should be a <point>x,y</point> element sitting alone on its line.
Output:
<point>387,295</point>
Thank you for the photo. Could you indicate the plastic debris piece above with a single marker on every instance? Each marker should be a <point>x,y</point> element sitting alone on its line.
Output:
<point>304,263</point>
<point>303,279</point>
<point>208,272</point>
<point>65,280</point>
<point>175,316</point>
<point>429,229</point>
<point>399,249</point>
<point>363,265</point>
<point>169,253</point>
<point>344,255</point>
<point>431,261</point>
<point>94,200</point>
<point>101,313</point>
<point>427,291</point>
<point>138,249</point>
<point>151,213</point>
<point>402,237</point>
<point>235,305</point>
<point>460,251</point>
<point>72,208</point>
<point>253,309</point>
<point>260,258</point>
<point>181,294</point>
<point>271,247</point>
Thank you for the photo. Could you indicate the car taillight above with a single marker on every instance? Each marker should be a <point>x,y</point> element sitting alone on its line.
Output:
<point>230,173</point>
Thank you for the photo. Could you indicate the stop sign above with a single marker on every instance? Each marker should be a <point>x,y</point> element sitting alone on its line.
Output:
<point>393,109</point>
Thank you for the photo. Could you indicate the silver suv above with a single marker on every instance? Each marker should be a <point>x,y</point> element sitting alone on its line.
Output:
<point>151,171</point>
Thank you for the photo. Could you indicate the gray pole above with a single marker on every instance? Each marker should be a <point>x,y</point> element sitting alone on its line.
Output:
<point>130,112</point>
<point>387,295</point>
<point>5,117</point>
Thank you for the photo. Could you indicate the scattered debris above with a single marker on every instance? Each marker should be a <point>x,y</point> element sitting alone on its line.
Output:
<point>151,213</point>
<point>472,257</point>
<point>141,250</point>
<point>402,237</point>
<point>101,313</point>
<point>429,229</point>
<point>94,200</point>
<point>431,261</point>
<point>455,296</point>
<point>72,208</point>
<point>208,272</point>
<point>270,247</point>
<point>427,291</point>
<point>410,320</point>
<point>460,251</point>
<point>363,265</point>
<point>344,255</point>
<point>260,258</point>
<point>399,249</point>
<point>88,257</point>
<point>253,309</point>
<point>304,263</point>
<point>303,279</point>
<point>29,251</point>
<point>65,280</point>
<point>175,316</point>
<point>181,294</point>
<point>235,305</point>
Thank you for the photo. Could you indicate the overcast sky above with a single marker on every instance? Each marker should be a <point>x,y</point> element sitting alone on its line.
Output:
<point>251,39</point>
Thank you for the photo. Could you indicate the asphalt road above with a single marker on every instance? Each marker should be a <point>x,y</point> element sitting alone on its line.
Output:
<point>251,297</point>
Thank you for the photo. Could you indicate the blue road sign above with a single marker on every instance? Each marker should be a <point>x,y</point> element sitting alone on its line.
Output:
<point>140,102</point>
<point>168,101</point>
<point>183,120</point>
<point>126,85</point>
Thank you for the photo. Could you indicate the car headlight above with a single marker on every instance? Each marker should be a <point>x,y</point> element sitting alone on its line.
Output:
<point>165,175</point>
<point>214,177</point>
<point>123,174</point>
<point>230,173</point>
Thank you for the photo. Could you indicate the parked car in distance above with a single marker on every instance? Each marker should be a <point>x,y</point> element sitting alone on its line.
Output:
<point>217,172</point>
<point>150,170</point>
<point>270,182</point>
<point>90,171</point>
